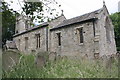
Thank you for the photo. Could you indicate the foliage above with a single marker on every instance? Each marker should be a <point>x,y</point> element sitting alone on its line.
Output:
<point>116,22</point>
<point>29,9</point>
<point>40,8</point>
<point>62,68</point>
<point>8,22</point>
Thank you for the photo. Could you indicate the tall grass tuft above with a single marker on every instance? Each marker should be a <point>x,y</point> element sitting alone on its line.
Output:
<point>61,68</point>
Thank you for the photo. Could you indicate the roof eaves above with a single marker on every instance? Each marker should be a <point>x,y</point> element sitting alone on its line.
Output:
<point>30,30</point>
<point>91,19</point>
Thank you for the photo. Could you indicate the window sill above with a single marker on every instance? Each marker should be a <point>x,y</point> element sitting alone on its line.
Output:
<point>108,42</point>
<point>80,44</point>
<point>59,46</point>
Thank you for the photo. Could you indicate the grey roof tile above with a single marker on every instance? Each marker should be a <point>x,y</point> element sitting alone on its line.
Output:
<point>78,19</point>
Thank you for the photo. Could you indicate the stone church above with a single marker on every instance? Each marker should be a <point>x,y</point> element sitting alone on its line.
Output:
<point>91,34</point>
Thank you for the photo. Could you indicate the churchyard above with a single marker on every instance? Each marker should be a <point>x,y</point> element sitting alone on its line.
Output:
<point>42,65</point>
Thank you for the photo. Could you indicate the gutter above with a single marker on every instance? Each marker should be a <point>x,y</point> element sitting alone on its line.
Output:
<point>80,22</point>
<point>29,30</point>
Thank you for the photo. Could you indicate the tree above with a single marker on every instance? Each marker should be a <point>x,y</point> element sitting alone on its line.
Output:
<point>41,8</point>
<point>116,22</point>
<point>29,9</point>
<point>8,22</point>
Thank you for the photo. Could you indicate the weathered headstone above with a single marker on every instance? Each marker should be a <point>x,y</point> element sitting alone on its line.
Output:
<point>85,57</point>
<point>41,58</point>
<point>52,56</point>
<point>118,55</point>
<point>9,59</point>
<point>104,60</point>
<point>108,61</point>
<point>58,57</point>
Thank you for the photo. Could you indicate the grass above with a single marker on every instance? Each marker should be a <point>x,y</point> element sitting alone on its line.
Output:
<point>62,68</point>
<point>0,64</point>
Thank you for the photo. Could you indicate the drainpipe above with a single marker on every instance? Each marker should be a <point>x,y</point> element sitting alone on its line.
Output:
<point>46,38</point>
<point>94,27</point>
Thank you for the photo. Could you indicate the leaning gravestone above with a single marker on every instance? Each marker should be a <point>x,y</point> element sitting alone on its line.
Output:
<point>41,58</point>
<point>9,59</point>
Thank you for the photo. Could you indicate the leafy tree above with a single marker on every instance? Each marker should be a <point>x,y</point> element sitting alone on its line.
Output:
<point>29,9</point>
<point>41,8</point>
<point>8,22</point>
<point>116,22</point>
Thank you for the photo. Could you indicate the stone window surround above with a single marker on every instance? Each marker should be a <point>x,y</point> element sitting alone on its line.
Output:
<point>60,36</point>
<point>108,30</point>
<point>76,31</point>
<point>37,36</point>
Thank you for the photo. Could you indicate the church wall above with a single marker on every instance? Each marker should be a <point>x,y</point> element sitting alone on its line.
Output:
<point>70,45</point>
<point>94,40</point>
<point>53,24</point>
<point>106,47</point>
<point>32,41</point>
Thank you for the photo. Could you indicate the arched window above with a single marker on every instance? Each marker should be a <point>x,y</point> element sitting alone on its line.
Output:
<point>107,27</point>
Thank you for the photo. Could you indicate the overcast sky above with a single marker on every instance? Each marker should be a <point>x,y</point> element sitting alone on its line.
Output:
<point>73,8</point>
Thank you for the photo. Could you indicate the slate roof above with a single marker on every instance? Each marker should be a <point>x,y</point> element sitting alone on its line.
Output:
<point>82,18</point>
<point>32,28</point>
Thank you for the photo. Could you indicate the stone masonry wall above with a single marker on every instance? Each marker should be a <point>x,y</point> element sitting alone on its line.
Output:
<point>32,40</point>
<point>106,47</point>
<point>94,40</point>
<point>70,45</point>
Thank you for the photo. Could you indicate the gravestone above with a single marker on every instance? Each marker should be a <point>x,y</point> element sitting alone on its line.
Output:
<point>109,62</point>
<point>52,56</point>
<point>118,55</point>
<point>41,58</point>
<point>58,57</point>
<point>104,59</point>
<point>9,59</point>
<point>85,57</point>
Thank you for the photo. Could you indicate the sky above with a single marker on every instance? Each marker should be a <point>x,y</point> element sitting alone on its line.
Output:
<point>73,8</point>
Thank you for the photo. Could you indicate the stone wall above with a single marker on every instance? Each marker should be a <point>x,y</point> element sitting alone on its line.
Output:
<point>95,37</point>
<point>95,44</point>
<point>32,40</point>
<point>44,35</point>
<point>106,47</point>
<point>70,45</point>
<point>21,24</point>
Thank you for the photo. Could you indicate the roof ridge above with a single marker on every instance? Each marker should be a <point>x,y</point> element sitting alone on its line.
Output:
<point>80,18</point>
<point>85,14</point>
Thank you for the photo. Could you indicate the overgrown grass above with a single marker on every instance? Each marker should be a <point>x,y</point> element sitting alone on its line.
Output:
<point>0,64</point>
<point>62,68</point>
